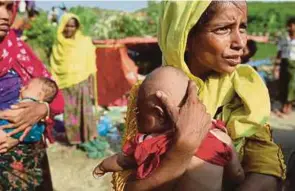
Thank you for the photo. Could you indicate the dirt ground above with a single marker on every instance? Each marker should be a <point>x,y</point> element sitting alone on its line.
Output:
<point>71,169</point>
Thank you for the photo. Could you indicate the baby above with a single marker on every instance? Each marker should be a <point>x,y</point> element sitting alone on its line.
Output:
<point>215,156</point>
<point>40,90</point>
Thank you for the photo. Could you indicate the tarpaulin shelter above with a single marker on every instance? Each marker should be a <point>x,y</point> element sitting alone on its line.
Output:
<point>116,71</point>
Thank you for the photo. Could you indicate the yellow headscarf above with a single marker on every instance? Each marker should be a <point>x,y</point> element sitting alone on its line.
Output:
<point>72,60</point>
<point>242,95</point>
<point>242,111</point>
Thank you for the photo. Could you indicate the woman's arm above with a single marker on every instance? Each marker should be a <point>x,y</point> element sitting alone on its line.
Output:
<point>23,116</point>
<point>191,124</point>
<point>260,182</point>
<point>247,116</point>
<point>263,162</point>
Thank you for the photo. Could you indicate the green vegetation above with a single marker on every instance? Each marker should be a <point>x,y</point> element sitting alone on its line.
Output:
<point>41,36</point>
<point>269,17</point>
<point>264,18</point>
<point>265,51</point>
<point>105,24</point>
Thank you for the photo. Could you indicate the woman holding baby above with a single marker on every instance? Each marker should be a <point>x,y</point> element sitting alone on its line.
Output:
<point>21,164</point>
<point>205,39</point>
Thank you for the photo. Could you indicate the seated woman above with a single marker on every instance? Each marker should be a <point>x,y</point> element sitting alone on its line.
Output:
<point>206,40</point>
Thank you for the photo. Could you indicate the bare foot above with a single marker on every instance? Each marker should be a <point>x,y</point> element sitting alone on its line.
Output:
<point>289,108</point>
<point>279,114</point>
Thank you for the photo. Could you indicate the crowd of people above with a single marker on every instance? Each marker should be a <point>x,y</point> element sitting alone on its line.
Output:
<point>191,119</point>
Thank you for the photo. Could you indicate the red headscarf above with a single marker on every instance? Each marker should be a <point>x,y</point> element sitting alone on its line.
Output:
<point>16,55</point>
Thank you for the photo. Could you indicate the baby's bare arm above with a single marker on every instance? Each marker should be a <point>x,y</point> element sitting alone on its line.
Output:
<point>118,162</point>
<point>115,163</point>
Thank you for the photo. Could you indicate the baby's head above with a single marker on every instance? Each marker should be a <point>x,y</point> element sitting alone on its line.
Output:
<point>151,116</point>
<point>41,89</point>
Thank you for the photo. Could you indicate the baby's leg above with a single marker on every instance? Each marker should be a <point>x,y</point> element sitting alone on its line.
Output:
<point>233,171</point>
<point>202,176</point>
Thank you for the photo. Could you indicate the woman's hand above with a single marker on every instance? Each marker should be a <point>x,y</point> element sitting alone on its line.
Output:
<point>191,121</point>
<point>23,116</point>
<point>3,142</point>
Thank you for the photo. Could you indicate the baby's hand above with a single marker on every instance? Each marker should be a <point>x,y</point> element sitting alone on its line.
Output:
<point>3,142</point>
<point>98,171</point>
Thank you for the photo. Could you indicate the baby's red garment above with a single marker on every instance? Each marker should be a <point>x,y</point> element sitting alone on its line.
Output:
<point>147,151</point>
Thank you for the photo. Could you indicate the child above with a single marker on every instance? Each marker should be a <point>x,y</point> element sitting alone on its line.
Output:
<point>155,134</point>
<point>41,90</point>
<point>249,51</point>
<point>285,60</point>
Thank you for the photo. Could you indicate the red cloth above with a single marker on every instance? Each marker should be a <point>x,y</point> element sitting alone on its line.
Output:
<point>116,73</point>
<point>17,55</point>
<point>147,153</point>
<point>213,150</point>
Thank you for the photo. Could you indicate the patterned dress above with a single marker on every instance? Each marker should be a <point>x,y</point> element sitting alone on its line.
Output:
<point>20,167</point>
<point>79,118</point>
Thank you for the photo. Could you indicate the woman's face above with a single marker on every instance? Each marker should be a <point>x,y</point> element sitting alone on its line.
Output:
<point>219,45</point>
<point>6,8</point>
<point>70,29</point>
<point>291,28</point>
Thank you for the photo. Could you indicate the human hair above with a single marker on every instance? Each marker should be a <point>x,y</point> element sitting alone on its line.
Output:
<point>49,87</point>
<point>290,21</point>
<point>76,22</point>
<point>252,47</point>
<point>63,8</point>
<point>32,13</point>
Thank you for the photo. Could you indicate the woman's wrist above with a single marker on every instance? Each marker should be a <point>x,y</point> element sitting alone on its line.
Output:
<point>183,146</point>
<point>47,113</point>
<point>180,148</point>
